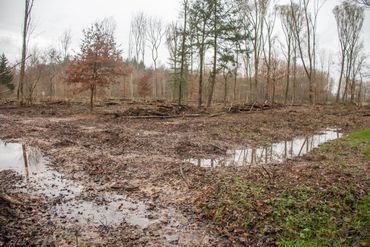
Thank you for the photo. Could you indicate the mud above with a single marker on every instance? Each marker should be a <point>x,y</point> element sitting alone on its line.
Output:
<point>138,166</point>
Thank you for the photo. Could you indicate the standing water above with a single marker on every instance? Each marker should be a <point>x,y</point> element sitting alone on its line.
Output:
<point>274,153</point>
<point>40,179</point>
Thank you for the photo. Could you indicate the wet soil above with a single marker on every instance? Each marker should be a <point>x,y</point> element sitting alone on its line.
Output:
<point>143,160</point>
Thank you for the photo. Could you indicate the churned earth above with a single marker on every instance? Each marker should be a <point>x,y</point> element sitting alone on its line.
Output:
<point>131,173</point>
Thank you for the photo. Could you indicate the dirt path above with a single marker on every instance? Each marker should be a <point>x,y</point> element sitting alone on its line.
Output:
<point>143,161</point>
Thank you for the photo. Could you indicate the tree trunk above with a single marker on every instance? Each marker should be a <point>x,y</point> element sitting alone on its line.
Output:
<point>92,92</point>
<point>236,76</point>
<point>287,76</point>
<point>20,96</point>
<point>225,91</point>
<point>201,63</point>
<point>214,70</point>
<point>156,79</point>
<point>340,79</point>
<point>273,92</point>
<point>359,100</point>
<point>353,84</point>
<point>182,69</point>
<point>294,75</point>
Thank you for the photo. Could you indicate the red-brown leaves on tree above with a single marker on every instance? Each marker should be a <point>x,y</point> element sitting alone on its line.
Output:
<point>99,62</point>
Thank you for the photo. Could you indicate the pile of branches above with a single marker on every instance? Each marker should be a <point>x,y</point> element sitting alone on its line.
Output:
<point>249,107</point>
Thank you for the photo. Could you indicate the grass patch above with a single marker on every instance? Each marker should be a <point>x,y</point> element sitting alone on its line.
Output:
<point>361,140</point>
<point>324,212</point>
<point>302,216</point>
<point>321,218</point>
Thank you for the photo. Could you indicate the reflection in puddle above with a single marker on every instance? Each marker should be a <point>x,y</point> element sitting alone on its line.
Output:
<point>39,179</point>
<point>274,153</point>
<point>42,180</point>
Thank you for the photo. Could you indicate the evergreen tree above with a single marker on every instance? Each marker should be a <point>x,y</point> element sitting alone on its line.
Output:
<point>6,75</point>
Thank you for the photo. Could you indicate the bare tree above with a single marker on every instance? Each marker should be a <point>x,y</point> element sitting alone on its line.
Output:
<point>138,37</point>
<point>349,19</point>
<point>65,41</point>
<point>305,25</point>
<point>52,58</point>
<point>35,69</point>
<point>155,33</point>
<point>26,30</point>
<point>268,41</point>
<point>287,26</point>
<point>358,62</point>
<point>255,12</point>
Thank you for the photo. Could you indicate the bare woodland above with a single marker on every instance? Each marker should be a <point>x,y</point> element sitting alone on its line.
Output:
<point>227,126</point>
<point>220,51</point>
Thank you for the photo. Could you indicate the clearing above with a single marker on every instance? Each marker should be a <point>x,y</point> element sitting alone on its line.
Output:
<point>153,174</point>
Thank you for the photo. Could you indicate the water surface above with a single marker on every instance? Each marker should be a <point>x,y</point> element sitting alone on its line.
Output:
<point>40,179</point>
<point>273,153</point>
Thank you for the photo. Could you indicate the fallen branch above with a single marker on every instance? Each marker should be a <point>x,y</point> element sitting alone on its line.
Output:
<point>5,91</point>
<point>117,115</point>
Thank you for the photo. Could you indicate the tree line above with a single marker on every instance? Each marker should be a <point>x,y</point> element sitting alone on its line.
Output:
<point>226,51</point>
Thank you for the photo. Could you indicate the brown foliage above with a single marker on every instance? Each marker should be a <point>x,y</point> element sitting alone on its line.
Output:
<point>145,85</point>
<point>99,62</point>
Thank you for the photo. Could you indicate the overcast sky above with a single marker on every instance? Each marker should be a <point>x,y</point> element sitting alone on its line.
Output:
<point>53,17</point>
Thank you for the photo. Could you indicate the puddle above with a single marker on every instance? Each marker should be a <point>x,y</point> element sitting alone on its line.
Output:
<point>274,153</point>
<point>40,179</point>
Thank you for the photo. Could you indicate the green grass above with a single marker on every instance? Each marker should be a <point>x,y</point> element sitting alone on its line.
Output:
<point>361,140</point>
<point>321,218</point>
<point>328,214</point>
<point>301,216</point>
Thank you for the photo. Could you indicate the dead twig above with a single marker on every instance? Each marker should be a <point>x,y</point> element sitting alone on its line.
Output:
<point>267,172</point>
<point>252,106</point>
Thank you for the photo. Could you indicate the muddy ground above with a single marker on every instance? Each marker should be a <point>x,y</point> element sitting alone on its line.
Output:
<point>139,150</point>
